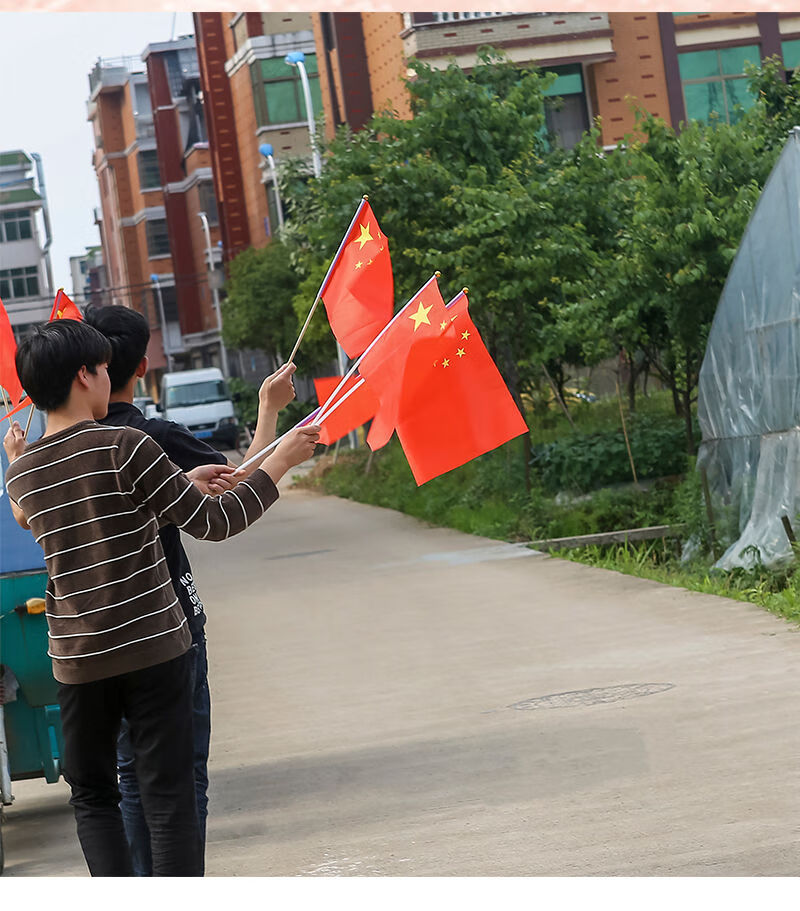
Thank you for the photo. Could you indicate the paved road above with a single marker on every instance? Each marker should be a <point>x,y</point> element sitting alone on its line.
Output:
<point>397,700</point>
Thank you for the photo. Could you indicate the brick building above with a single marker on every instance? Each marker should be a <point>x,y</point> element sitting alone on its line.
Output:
<point>153,167</point>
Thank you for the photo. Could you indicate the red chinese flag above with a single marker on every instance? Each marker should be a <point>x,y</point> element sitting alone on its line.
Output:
<point>8,349</point>
<point>383,367</point>
<point>453,404</point>
<point>64,308</point>
<point>359,293</point>
<point>356,410</point>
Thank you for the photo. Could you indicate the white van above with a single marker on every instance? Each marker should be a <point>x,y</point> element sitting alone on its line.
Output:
<point>199,399</point>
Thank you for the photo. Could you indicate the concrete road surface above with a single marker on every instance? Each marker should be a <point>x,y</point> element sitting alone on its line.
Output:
<point>396,700</point>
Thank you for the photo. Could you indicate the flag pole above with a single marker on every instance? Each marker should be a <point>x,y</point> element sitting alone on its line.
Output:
<point>5,401</point>
<point>315,416</point>
<point>364,200</point>
<point>28,425</point>
<point>324,411</point>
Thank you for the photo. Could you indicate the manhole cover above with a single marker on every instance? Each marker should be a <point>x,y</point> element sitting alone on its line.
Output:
<point>597,696</point>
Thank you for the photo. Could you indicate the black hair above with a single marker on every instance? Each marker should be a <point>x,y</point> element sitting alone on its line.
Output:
<point>128,333</point>
<point>49,359</point>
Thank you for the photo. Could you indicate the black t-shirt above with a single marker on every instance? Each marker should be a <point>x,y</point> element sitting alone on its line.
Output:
<point>187,452</point>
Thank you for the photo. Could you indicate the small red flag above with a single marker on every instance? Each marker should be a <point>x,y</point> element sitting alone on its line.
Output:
<point>64,308</point>
<point>359,407</point>
<point>450,403</point>
<point>383,367</point>
<point>359,292</point>
<point>8,349</point>
<point>455,405</point>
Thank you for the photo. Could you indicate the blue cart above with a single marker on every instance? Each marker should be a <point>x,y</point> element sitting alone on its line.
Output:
<point>30,721</point>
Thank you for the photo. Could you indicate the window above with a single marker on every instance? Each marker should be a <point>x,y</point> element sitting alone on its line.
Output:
<point>208,202</point>
<point>569,118</point>
<point>791,55</point>
<point>278,91</point>
<point>16,283</point>
<point>149,175</point>
<point>15,225</point>
<point>452,17</point>
<point>197,394</point>
<point>714,82</point>
<point>157,237</point>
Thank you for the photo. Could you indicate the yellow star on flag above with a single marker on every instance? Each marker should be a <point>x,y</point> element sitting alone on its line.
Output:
<point>460,352</point>
<point>359,265</point>
<point>365,235</point>
<point>421,316</point>
<point>465,334</point>
<point>445,362</point>
<point>443,324</point>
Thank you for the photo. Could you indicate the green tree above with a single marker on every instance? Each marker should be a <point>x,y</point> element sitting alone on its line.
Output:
<point>258,310</point>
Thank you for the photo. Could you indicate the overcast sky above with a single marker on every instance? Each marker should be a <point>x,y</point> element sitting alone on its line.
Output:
<point>44,68</point>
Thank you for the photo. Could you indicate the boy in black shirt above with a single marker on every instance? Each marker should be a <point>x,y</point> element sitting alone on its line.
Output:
<point>128,333</point>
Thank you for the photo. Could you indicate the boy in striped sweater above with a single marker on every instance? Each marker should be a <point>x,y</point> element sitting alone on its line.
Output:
<point>94,498</point>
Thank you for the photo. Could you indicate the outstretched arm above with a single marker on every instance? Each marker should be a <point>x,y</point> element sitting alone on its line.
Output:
<point>275,393</point>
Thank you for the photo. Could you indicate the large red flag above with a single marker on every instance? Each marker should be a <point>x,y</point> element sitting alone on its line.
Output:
<point>451,403</point>
<point>8,349</point>
<point>64,308</point>
<point>359,292</point>
<point>383,365</point>
<point>359,407</point>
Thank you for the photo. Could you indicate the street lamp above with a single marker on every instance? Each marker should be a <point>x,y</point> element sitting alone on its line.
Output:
<point>297,58</point>
<point>266,150</point>
<point>223,354</point>
<point>165,344</point>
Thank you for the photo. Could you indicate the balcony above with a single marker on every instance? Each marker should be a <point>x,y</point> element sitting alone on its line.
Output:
<point>542,38</point>
<point>112,72</point>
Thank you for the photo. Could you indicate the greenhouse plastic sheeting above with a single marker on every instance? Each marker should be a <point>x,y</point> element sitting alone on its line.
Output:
<point>749,390</point>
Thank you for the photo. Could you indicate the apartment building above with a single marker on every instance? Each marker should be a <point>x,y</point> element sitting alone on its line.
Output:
<point>678,66</point>
<point>26,282</point>
<point>154,172</point>
<point>253,98</point>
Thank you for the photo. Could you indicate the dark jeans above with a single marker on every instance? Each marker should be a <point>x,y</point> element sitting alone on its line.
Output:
<point>157,703</point>
<point>131,805</point>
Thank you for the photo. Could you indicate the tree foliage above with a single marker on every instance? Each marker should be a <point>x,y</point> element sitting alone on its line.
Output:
<point>570,256</point>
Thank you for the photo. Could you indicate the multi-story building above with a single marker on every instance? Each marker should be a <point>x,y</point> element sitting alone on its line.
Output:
<point>678,66</point>
<point>88,276</point>
<point>26,282</point>
<point>253,98</point>
<point>153,166</point>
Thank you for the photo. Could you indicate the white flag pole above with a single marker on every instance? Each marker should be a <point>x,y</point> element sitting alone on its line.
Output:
<point>315,417</point>
<point>364,200</point>
<point>325,410</point>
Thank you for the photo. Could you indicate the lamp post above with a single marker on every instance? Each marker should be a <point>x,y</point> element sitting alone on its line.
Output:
<point>223,354</point>
<point>297,58</point>
<point>164,342</point>
<point>266,150</point>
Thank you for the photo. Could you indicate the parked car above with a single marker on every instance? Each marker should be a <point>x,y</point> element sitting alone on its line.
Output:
<point>200,400</point>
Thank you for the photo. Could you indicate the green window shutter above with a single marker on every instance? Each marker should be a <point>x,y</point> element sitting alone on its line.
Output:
<point>733,59</point>
<point>791,53</point>
<point>703,99</point>
<point>282,103</point>
<point>698,64</point>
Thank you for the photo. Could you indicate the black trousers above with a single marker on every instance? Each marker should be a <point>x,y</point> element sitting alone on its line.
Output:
<point>157,702</point>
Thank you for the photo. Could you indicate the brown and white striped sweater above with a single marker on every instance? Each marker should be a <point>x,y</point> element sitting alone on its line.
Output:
<point>94,497</point>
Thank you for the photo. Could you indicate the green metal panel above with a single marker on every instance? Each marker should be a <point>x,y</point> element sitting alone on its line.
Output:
<point>23,638</point>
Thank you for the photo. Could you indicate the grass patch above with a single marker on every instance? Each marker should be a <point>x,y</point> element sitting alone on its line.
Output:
<point>778,591</point>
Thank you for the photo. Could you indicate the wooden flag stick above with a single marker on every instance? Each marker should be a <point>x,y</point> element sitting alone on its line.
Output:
<point>316,417</point>
<point>364,200</point>
<point>30,418</point>
<point>625,433</point>
<point>5,400</point>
